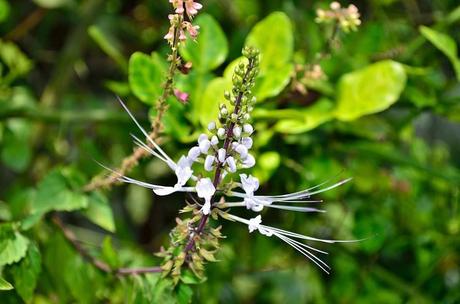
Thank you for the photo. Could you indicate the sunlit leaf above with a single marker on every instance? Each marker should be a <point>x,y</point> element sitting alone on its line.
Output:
<point>370,90</point>
<point>274,38</point>
<point>5,285</point>
<point>13,245</point>
<point>294,121</point>
<point>212,97</point>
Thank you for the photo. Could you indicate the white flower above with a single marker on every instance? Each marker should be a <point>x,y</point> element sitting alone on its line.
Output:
<point>249,183</point>
<point>193,153</point>
<point>205,189</point>
<point>247,142</point>
<point>289,238</point>
<point>254,223</point>
<point>247,128</point>
<point>252,204</point>
<point>230,161</point>
<point>242,151</point>
<point>249,161</point>
<point>208,162</point>
<point>202,137</point>
<point>183,173</point>
<point>204,146</point>
<point>221,155</point>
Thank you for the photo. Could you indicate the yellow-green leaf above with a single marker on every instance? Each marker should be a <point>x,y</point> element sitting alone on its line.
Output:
<point>370,90</point>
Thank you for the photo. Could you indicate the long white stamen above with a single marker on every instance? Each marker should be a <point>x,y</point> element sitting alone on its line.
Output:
<point>144,132</point>
<point>141,144</point>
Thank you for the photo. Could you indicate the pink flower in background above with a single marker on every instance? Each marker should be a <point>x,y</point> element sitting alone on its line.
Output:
<point>192,7</point>
<point>181,96</point>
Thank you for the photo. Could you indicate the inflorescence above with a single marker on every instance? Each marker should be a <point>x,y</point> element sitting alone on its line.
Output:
<point>223,152</point>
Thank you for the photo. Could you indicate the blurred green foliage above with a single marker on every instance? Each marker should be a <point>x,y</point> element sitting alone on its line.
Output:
<point>387,114</point>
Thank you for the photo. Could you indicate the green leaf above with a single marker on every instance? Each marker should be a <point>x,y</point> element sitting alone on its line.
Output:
<point>13,245</point>
<point>16,152</point>
<point>272,82</point>
<point>184,294</point>
<point>211,48</point>
<point>55,192</point>
<point>25,273</point>
<point>212,97</point>
<point>189,278</point>
<point>4,10</point>
<point>15,59</point>
<point>370,90</point>
<point>295,121</point>
<point>109,254</point>
<point>445,44</point>
<point>99,211</point>
<point>146,76</point>
<point>274,38</point>
<point>5,285</point>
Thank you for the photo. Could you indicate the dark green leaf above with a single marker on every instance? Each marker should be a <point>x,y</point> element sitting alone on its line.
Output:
<point>25,273</point>
<point>99,211</point>
<point>445,44</point>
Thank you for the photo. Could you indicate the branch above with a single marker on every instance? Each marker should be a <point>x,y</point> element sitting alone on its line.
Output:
<point>157,127</point>
<point>101,265</point>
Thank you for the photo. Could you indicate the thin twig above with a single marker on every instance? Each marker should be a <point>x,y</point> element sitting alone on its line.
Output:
<point>101,265</point>
<point>157,127</point>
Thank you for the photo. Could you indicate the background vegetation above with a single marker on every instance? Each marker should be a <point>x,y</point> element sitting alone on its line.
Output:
<point>388,115</point>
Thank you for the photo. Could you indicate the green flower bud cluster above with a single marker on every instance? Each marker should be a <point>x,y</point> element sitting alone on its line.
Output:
<point>175,256</point>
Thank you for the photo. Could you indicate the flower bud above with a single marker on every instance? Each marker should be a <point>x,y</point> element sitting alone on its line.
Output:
<point>208,162</point>
<point>214,140</point>
<point>231,164</point>
<point>211,126</point>
<point>221,155</point>
<point>194,153</point>
<point>247,142</point>
<point>202,137</point>
<point>237,132</point>
<point>242,150</point>
<point>204,146</point>
<point>221,133</point>
<point>247,128</point>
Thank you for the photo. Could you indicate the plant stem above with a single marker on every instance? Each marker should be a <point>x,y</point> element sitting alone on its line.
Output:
<point>131,161</point>
<point>101,265</point>
<point>218,172</point>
